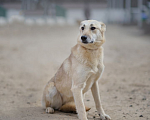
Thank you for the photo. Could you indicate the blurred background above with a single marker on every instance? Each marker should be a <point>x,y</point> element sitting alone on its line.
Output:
<point>36,36</point>
<point>135,12</point>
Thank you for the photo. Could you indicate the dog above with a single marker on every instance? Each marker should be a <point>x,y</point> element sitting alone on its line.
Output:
<point>80,72</point>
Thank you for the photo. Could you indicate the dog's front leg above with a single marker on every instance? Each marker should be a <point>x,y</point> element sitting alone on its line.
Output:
<point>96,95</point>
<point>78,97</point>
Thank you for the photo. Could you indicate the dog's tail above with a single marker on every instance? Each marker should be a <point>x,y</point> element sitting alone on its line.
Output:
<point>70,107</point>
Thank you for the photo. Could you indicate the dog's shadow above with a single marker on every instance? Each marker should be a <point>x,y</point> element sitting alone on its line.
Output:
<point>38,113</point>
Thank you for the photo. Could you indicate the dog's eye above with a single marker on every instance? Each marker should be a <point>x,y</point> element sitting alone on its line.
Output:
<point>93,28</point>
<point>82,28</point>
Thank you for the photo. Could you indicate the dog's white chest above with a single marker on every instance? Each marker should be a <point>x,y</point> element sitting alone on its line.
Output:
<point>89,84</point>
<point>93,78</point>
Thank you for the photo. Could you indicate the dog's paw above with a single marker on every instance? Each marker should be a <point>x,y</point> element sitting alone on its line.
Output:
<point>49,110</point>
<point>104,117</point>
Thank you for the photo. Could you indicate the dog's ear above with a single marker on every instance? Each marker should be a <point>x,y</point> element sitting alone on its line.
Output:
<point>103,27</point>
<point>79,22</point>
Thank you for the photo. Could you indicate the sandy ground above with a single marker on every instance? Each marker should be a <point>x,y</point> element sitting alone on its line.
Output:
<point>30,56</point>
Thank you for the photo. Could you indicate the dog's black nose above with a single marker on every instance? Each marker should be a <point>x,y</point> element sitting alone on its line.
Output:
<point>84,38</point>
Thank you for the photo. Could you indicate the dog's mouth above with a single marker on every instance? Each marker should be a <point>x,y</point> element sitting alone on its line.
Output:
<point>86,39</point>
<point>85,42</point>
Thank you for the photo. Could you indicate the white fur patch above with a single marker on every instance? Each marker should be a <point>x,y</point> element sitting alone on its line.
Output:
<point>100,27</point>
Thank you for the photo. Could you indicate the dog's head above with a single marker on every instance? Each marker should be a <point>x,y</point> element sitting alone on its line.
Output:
<point>92,34</point>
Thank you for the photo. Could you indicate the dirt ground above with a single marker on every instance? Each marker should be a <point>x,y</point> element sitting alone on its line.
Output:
<point>30,56</point>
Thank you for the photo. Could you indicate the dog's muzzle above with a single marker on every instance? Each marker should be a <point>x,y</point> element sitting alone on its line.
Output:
<point>85,40</point>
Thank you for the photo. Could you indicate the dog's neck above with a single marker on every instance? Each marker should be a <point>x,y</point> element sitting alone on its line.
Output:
<point>89,57</point>
<point>92,50</point>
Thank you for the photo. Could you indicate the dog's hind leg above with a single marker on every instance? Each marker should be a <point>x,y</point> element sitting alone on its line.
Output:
<point>70,107</point>
<point>49,110</point>
<point>51,98</point>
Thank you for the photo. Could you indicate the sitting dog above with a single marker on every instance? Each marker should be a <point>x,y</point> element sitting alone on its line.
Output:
<point>79,73</point>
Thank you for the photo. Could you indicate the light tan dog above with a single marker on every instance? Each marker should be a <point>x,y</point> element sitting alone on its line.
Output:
<point>79,73</point>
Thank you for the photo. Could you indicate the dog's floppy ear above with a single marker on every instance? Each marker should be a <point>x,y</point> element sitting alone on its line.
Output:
<point>103,27</point>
